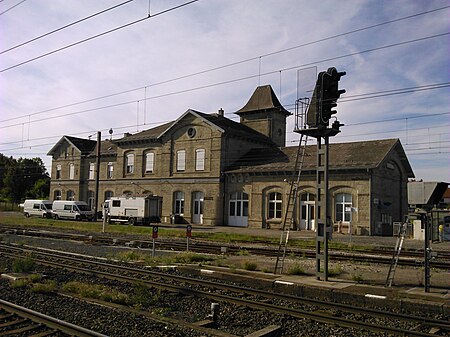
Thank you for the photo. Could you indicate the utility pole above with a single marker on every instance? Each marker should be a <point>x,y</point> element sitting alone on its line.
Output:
<point>97,174</point>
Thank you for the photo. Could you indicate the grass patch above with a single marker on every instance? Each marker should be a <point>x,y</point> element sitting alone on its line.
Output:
<point>335,271</point>
<point>188,257</point>
<point>46,287</point>
<point>251,266</point>
<point>24,265</point>
<point>358,278</point>
<point>20,283</point>
<point>96,291</point>
<point>130,255</point>
<point>296,269</point>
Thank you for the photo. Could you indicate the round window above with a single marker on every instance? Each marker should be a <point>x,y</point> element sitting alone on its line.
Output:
<point>191,132</point>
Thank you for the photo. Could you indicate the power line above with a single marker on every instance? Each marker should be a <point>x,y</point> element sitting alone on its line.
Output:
<point>98,35</point>
<point>236,63</point>
<point>5,11</point>
<point>65,26</point>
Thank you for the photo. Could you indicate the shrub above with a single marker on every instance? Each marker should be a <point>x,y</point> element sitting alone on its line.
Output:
<point>44,288</point>
<point>358,278</point>
<point>296,270</point>
<point>95,291</point>
<point>23,265</point>
<point>252,266</point>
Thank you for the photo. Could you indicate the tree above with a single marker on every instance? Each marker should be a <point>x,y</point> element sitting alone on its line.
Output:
<point>24,178</point>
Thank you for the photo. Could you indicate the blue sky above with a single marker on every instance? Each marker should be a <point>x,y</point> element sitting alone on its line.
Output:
<point>163,66</point>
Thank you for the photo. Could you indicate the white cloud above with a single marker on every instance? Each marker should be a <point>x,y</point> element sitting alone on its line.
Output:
<point>211,34</point>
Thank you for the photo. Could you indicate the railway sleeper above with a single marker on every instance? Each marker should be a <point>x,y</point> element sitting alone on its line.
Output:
<point>268,331</point>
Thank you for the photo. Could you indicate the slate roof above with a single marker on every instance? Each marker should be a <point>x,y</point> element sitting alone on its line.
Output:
<point>146,135</point>
<point>222,123</point>
<point>83,145</point>
<point>263,98</point>
<point>356,155</point>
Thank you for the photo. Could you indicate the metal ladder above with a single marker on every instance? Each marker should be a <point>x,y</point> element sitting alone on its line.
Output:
<point>289,214</point>
<point>395,257</point>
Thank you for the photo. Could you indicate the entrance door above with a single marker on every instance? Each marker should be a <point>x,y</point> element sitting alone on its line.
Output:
<point>307,215</point>
<point>197,215</point>
<point>307,208</point>
<point>238,209</point>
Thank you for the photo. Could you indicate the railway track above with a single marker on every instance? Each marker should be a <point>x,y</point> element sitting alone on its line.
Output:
<point>16,320</point>
<point>320,311</point>
<point>379,256</point>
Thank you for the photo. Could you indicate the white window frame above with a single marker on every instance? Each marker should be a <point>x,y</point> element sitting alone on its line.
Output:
<point>200,159</point>
<point>129,163</point>
<point>178,203</point>
<point>71,171</point>
<point>181,160</point>
<point>91,171</point>
<point>58,171</point>
<point>110,170</point>
<point>343,207</point>
<point>149,162</point>
<point>275,200</point>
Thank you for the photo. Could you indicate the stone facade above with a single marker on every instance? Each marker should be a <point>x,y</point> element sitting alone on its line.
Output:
<point>210,170</point>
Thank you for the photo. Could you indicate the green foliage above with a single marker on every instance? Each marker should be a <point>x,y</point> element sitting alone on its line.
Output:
<point>23,178</point>
<point>188,257</point>
<point>252,266</point>
<point>46,287</point>
<point>24,265</point>
<point>20,283</point>
<point>296,270</point>
<point>96,291</point>
<point>242,252</point>
<point>335,271</point>
<point>358,278</point>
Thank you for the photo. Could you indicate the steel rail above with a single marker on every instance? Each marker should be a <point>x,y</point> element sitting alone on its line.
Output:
<point>444,325</point>
<point>407,258</point>
<point>51,322</point>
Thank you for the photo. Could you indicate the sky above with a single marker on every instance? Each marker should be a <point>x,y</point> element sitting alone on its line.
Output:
<point>154,59</point>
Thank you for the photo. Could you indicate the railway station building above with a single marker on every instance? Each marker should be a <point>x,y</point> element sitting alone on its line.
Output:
<point>211,170</point>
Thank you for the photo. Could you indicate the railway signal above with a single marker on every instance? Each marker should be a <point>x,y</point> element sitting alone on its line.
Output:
<point>330,94</point>
<point>324,98</point>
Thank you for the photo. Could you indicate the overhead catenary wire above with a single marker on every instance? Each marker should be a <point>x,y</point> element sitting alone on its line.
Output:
<point>377,94</point>
<point>7,10</point>
<point>65,26</point>
<point>97,35</point>
<point>238,62</point>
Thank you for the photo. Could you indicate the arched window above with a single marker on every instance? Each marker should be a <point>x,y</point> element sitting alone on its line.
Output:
<point>129,163</point>
<point>178,203</point>
<point>57,195</point>
<point>343,203</point>
<point>70,195</point>
<point>275,205</point>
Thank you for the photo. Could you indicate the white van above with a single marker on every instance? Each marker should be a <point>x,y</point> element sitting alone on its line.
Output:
<point>41,208</point>
<point>75,210</point>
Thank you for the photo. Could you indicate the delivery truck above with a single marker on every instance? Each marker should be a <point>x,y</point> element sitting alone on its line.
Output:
<point>133,209</point>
